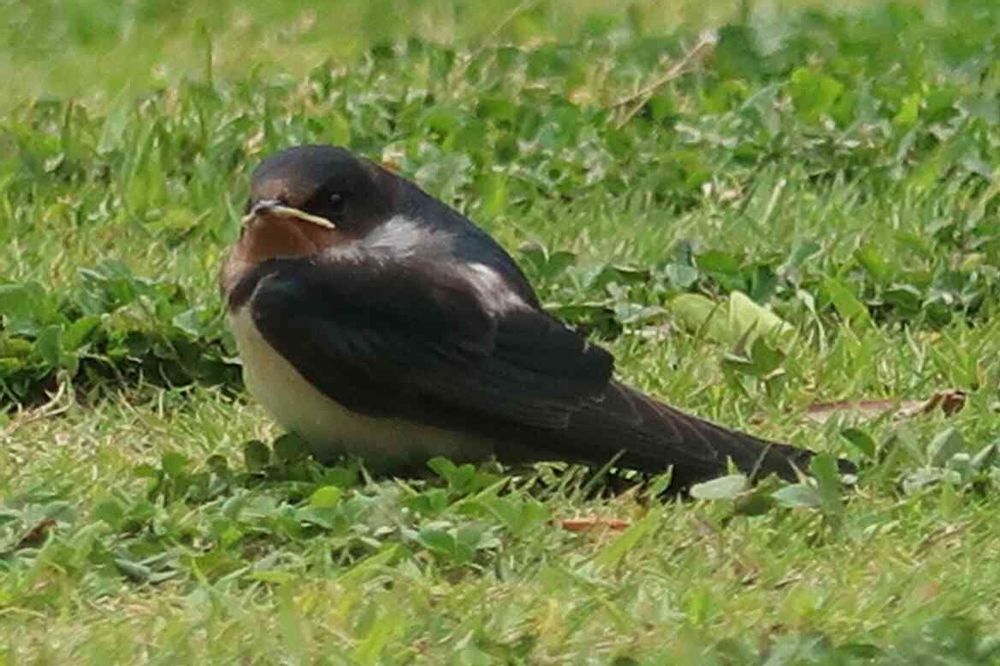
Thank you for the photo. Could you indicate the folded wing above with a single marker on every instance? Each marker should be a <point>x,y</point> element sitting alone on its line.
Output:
<point>416,340</point>
<point>413,339</point>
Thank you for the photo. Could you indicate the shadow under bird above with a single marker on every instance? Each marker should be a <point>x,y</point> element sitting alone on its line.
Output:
<point>374,320</point>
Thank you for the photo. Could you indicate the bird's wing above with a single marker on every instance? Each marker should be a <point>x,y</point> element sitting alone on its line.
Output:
<point>417,338</point>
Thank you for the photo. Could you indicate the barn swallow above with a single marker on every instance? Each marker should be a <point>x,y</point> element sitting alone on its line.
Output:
<point>373,320</point>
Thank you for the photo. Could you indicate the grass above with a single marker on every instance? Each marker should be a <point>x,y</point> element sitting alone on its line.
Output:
<point>838,166</point>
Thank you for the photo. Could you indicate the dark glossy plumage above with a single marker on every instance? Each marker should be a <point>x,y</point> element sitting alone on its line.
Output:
<point>420,315</point>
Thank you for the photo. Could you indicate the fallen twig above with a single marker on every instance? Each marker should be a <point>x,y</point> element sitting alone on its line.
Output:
<point>488,41</point>
<point>56,405</point>
<point>590,522</point>
<point>638,99</point>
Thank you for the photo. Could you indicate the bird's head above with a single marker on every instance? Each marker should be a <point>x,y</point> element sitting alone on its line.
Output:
<point>306,199</point>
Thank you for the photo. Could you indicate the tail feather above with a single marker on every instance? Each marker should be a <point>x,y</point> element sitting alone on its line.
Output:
<point>651,436</point>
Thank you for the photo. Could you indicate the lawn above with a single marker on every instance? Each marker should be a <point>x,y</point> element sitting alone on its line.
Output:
<point>669,173</point>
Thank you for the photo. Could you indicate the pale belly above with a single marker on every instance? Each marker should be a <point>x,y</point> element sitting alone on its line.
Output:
<point>331,429</point>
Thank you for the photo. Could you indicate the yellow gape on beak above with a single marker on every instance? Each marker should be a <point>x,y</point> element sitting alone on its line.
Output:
<point>271,207</point>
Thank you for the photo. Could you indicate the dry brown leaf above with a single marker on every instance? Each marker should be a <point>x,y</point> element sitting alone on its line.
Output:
<point>949,401</point>
<point>36,535</point>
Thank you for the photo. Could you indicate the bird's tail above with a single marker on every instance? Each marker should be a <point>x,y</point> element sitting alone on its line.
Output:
<point>652,436</point>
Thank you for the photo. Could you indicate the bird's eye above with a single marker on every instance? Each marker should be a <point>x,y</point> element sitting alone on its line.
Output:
<point>337,203</point>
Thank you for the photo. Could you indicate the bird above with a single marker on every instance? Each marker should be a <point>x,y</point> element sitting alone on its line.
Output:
<point>375,321</point>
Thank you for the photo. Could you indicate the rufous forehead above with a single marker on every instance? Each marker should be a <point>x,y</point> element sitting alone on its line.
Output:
<point>281,189</point>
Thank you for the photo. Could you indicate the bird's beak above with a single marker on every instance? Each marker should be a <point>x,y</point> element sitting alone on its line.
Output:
<point>274,208</point>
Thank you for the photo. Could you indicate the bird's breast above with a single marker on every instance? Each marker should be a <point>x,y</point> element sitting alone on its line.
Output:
<point>330,428</point>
